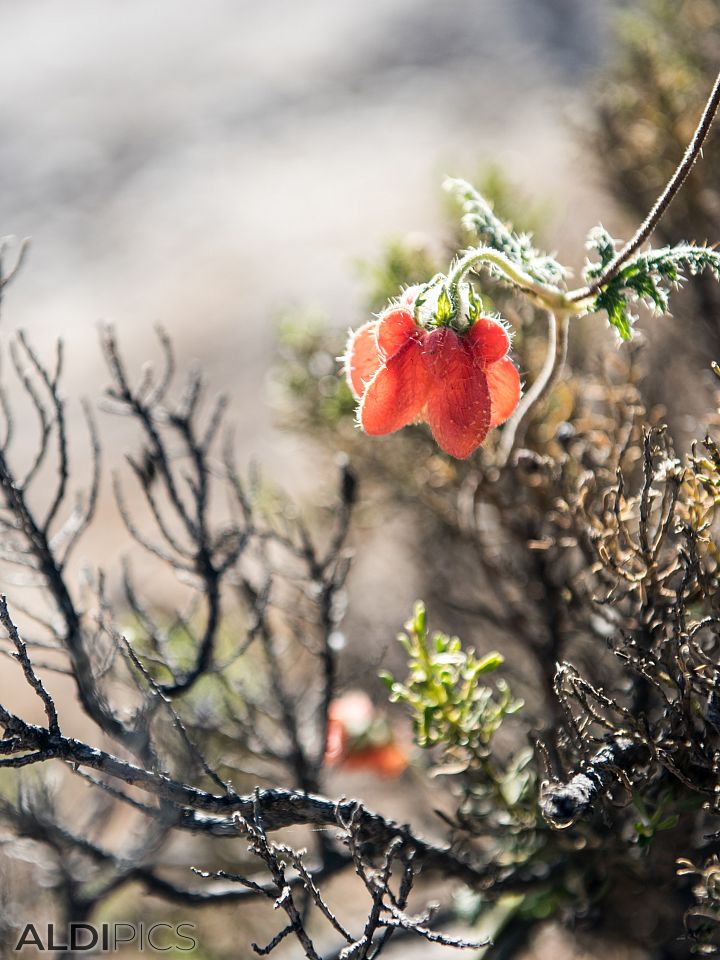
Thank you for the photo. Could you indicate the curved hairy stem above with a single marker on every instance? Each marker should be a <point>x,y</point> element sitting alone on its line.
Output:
<point>549,297</point>
<point>514,430</point>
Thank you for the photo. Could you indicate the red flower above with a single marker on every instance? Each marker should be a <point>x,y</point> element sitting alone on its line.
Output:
<point>387,760</point>
<point>461,384</point>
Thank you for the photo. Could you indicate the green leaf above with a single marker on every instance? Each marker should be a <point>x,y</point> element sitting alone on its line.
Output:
<point>647,278</point>
<point>478,216</point>
<point>615,305</point>
<point>419,624</point>
<point>490,662</point>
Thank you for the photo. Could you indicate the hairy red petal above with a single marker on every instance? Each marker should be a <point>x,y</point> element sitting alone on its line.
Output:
<point>394,328</point>
<point>458,408</point>
<point>489,339</point>
<point>398,392</point>
<point>504,383</point>
<point>362,358</point>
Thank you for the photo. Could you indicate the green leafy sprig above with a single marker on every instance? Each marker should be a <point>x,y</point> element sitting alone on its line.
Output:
<point>450,702</point>
<point>647,277</point>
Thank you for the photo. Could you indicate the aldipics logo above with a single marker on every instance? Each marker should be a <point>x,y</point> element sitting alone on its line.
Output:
<point>108,937</point>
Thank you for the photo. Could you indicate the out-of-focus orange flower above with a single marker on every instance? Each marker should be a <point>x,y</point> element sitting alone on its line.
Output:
<point>461,383</point>
<point>388,760</point>
<point>358,738</point>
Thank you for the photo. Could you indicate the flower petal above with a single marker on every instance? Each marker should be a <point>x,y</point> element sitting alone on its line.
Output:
<point>489,339</point>
<point>398,392</point>
<point>458,408</point>
<point>394,328</point>
<point>362,358</point>
<point>505,391</point>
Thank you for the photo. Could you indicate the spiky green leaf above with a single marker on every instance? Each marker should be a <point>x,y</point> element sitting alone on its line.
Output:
<point>647,278</point>
<point>478,216</point>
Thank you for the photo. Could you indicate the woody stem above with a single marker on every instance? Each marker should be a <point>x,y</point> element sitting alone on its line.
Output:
<point>514,430</point>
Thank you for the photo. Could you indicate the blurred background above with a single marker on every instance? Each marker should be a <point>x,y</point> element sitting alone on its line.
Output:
<point>207,166</point>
